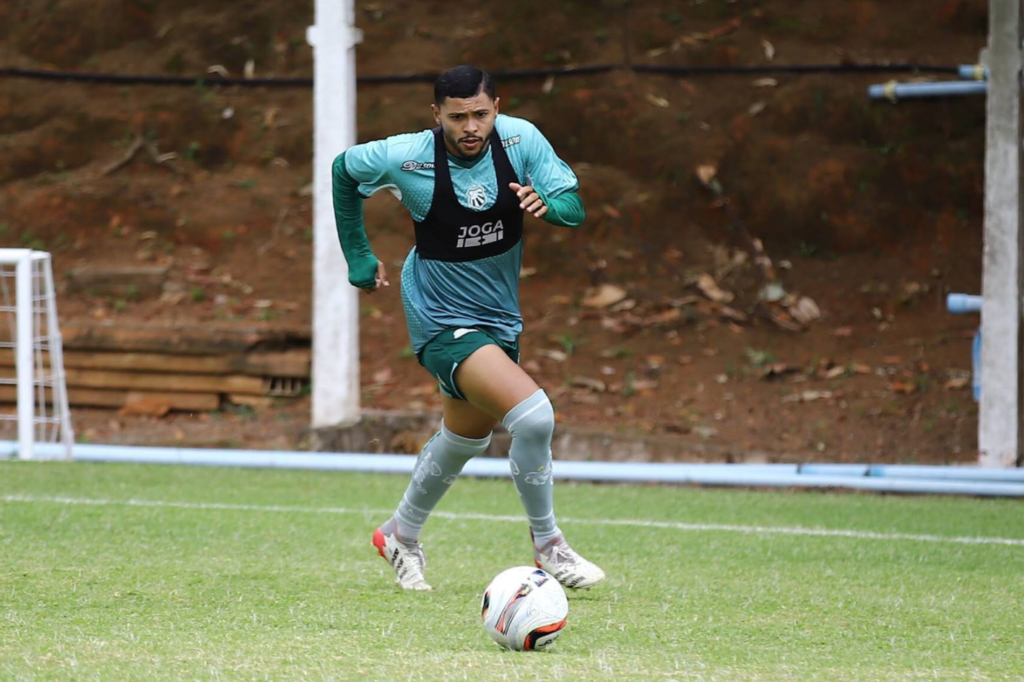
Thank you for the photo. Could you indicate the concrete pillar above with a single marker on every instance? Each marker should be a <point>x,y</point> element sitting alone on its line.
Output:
<point>999,424</point>
<point>335,370</point>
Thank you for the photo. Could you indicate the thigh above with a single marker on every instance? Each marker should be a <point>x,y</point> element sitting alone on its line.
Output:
<point>492,382</point>
<point>465,419</point>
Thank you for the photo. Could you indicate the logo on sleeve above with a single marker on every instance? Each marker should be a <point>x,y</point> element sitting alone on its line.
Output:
<point>417,165</point>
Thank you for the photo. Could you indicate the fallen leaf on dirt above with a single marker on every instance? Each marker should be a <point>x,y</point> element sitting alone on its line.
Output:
<point>723,30</point>
<point>769,49</point>
<point>957,383</point>
<point>670,315</point>
<point>658,101</point>
<point>722,378</point>
<point>684,301</point>
<point>765,83</point>
<point>904,387</point>
<point>556,355</point>
<point>604,296</point>
<point>842,332</point>
<point>808,396</point>
<point>611,324</point>
<point>777,369</point>
<point>685,360</point>
<point>731,313</point>
<point>756,108</point>
<point>644,384</point>
<point>860,368</point>
<point>531,366</point>
<point>559,299</point>
<point>611,211</point>
<point>772,292</point>
<point>835,372</point>
<point>655,361</point>
<point>621,306</point>
<point>527,272</point>
<point>892,359</point>
<point>589,384</point>
<point>709,287</point>
<point>383,376</point>
<point>548,86</point>
<point>805,310</point>
<point>706,173</point>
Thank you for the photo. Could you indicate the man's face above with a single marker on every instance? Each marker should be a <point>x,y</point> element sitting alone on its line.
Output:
<point>466,123</point>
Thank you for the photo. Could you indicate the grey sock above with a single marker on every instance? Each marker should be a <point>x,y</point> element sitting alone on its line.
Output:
<point>531,424</point>
<point>437,467</point>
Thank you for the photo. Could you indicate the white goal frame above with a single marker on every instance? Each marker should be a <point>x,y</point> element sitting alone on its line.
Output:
<point>35,332</point>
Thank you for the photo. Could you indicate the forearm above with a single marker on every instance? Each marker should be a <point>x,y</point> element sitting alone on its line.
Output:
<point>348,218</point>
<point>565,210</point>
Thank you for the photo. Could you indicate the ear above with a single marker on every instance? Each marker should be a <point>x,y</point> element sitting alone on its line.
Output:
<point>437,113</point>
<point>496,101</point>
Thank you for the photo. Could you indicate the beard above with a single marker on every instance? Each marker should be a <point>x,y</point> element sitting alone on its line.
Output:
<point>453,143</point>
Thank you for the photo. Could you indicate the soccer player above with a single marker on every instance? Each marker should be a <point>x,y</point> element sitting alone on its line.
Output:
<point>466,184</point>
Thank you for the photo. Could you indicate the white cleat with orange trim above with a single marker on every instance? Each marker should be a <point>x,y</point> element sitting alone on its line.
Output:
<point>408,560</point>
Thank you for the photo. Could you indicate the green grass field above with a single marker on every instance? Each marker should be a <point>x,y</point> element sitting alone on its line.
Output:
<point>134,572</point>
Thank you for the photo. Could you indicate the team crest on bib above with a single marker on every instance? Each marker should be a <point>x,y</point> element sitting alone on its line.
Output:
<point>476,197</point>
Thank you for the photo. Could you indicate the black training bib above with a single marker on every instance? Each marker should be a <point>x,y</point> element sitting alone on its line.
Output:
<point>451,232</point>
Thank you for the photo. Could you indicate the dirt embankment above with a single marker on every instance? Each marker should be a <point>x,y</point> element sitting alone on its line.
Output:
<point>870,209</point>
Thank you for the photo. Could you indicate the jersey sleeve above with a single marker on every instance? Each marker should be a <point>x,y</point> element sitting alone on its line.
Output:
<point>367,164</point>
<point>547,173</point>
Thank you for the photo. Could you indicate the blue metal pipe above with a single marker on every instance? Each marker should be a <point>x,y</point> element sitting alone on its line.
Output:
<point>895,91</point>
<point>889,478</point>
<point>974,72</point>
<point>961,304</point>
<point>955,473</point>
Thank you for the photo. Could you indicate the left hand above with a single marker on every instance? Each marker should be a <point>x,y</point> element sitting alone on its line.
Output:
<point>529,200</point>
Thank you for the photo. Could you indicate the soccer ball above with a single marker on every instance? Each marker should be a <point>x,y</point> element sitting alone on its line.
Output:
<point>524,608</point>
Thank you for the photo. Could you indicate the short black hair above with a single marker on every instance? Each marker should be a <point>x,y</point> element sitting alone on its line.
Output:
<point>462,82</point>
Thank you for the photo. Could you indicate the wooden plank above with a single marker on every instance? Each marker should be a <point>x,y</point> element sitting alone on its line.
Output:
<point>294,363</point>
<point>150,381</point>
<point>179,340</point>
<point>97,397</point>
<point>258,402</point>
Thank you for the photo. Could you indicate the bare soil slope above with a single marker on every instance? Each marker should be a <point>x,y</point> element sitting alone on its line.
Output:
<point>872,210</point>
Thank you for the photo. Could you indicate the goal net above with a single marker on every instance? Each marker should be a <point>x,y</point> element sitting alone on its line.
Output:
<point>33,391</point>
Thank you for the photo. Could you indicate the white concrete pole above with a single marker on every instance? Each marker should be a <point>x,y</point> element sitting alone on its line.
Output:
<point>999,419</point>
<point>24,314</point>
<point>335,303</point>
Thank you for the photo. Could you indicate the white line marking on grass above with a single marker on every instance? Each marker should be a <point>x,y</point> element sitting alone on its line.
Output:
<point>636,523</point>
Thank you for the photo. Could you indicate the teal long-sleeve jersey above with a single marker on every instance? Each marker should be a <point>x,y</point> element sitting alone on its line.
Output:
<point>438,294</point>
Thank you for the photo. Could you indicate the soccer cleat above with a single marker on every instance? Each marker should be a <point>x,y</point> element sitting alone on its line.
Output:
<point>407,560</point>
<point>567,566</point>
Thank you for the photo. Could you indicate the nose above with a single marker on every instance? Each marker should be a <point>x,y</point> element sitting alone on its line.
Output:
<point>472,125</point>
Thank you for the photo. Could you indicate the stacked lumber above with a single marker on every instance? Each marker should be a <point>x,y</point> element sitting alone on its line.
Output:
<point>155,369</point>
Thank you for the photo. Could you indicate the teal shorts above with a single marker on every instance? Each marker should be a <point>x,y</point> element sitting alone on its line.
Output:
<point>443,353</point>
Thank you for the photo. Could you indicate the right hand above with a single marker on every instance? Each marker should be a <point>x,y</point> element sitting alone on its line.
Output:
<point>369,277</point>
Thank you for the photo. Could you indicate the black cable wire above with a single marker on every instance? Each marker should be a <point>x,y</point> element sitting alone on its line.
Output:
<point>796,68</point>
<point>211,80</point>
